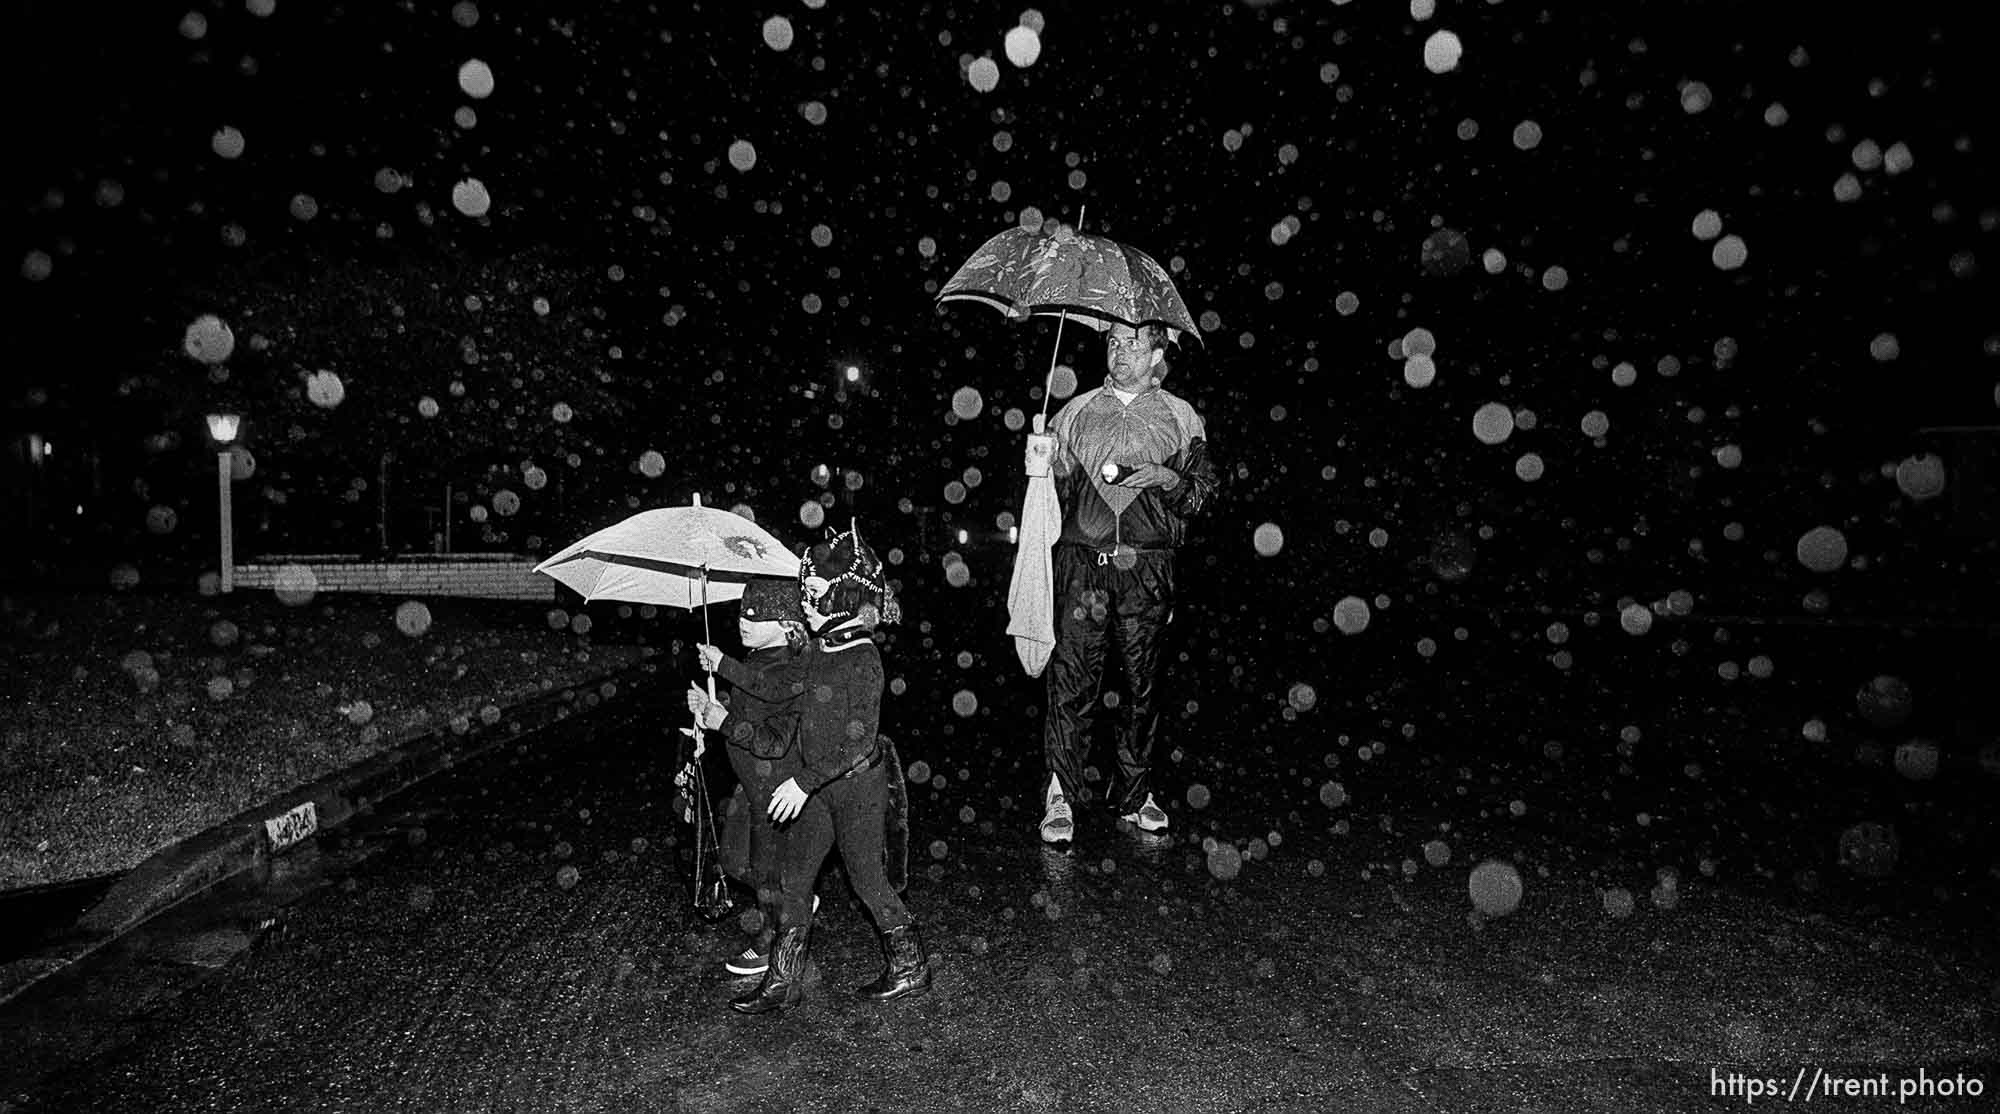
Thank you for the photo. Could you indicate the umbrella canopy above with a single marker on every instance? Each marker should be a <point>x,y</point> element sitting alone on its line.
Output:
<point>1064,272</point>
<point>683,557</point>
<point>658,556</point>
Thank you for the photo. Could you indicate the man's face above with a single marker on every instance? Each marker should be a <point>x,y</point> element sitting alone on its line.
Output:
<point>1128,356</point>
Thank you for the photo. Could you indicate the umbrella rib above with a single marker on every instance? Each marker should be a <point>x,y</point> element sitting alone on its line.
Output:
<point>661,564</point>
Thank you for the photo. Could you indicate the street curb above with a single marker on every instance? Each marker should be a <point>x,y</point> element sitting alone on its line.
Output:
<point>189,866</point>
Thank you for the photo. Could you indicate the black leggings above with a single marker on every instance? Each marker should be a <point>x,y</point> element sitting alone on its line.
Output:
<point>850,812</point>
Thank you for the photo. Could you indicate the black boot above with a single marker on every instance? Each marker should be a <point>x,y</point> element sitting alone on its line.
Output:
<point>785,982</point>
<point>906,970</point>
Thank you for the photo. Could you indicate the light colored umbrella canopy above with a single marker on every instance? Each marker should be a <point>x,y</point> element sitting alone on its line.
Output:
<point>657,557</point>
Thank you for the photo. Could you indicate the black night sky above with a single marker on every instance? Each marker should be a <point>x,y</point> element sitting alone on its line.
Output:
<point>1604,394</point>
<point>1318,191</point>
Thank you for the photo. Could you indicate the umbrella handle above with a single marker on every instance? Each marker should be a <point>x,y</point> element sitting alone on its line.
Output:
<point>705,636</point>
<point>1041,424</point>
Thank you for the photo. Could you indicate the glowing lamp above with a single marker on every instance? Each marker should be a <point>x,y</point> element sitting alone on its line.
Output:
<point>223,427</point>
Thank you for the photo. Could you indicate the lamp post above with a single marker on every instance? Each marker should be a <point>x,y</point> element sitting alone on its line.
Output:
<point>223,428</point>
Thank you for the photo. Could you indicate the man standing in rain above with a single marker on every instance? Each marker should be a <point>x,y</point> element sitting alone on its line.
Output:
<point>1131,469</point>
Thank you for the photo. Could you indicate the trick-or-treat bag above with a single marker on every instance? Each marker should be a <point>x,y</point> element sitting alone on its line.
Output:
<point>711,887</point>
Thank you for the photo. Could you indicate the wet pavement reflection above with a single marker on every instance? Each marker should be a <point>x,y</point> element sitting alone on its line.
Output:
<point>517,935</point>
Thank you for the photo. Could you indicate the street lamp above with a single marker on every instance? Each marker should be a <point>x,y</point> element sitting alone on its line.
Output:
<point>223,428</point>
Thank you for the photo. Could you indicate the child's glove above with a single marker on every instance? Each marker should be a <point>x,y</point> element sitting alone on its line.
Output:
<point>787,801</point>
<point>710,657</point>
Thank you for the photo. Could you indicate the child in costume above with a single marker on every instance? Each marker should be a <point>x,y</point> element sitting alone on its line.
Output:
<point>847,786</point>
<point>762,737</point>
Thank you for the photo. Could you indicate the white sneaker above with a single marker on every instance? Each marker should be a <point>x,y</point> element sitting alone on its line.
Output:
<point>1057,824</point>
<point>1149,818</point>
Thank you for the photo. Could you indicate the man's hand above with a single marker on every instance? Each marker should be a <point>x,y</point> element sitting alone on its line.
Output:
<point>709,656</point>
<point>787,801</point>
<point>1151,475</point>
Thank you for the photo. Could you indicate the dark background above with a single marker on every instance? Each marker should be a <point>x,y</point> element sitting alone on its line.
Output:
<point>676,324</point>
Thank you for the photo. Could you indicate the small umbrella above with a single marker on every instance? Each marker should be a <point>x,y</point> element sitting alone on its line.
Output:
<point>657,557</point>
<point>686,557</point>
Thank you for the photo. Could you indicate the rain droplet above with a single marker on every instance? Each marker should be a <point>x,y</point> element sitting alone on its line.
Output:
<point>208,340</point>
<point>778,33</point>
<point>1442,52</point>
<point>325,389</point>
<point>470,198</point>
<point>1023,45</point>
<point>1351,615</point>
<point>1618,903</point>
<point>1921,476</point>
<point>1268,539</point>
<point>984,74</point>
<point>1729,253</point>
<point>476,79</point>
<point>1495,888</point>
<point>413,618</point>
<point>1822,549</point>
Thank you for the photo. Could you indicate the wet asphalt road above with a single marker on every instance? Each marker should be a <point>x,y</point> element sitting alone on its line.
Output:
<point>431,959</point>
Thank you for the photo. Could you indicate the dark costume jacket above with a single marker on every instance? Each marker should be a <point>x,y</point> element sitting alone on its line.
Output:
<point>764,709</point>
<point>840,735</point>
<point>1156,427</point>
<point>762,733</point>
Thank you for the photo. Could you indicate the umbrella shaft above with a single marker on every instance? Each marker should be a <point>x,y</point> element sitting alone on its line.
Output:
<point>706,637</point>
<point>1048,385</point>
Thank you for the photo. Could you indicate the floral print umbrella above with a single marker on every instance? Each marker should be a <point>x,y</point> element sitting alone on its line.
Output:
<point>1064,272</point>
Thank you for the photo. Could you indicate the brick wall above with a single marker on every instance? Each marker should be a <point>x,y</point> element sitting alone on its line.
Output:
<point>493,577</point>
